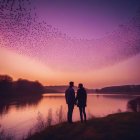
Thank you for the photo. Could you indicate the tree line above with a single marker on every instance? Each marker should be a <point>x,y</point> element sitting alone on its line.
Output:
<point>21,87</point>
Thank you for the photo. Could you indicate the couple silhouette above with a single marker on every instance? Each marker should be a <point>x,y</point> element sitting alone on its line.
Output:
<point>80,100</point>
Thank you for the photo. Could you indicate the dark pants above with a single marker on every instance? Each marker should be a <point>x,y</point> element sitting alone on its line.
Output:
<point>82,113</point>
<point>70,111</point>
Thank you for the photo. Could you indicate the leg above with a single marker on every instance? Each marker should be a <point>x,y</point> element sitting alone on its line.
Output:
<point>84,112</point>
<point>81,115</point>
<point>70,111</point>
<point>68,114</point>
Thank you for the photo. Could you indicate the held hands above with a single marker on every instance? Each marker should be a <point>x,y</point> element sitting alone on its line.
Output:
<point>76,103</point>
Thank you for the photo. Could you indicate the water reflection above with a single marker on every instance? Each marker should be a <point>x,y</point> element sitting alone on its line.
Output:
<point>19,103</point>
<point>120,96</point>
<point>134,105</point>
<point>28,108</point>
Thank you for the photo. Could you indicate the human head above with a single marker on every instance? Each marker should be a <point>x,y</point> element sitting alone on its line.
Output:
<point>80,85</point>
<point>71,84</point>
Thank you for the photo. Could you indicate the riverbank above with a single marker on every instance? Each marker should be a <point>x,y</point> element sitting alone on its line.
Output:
<point>120,126</point>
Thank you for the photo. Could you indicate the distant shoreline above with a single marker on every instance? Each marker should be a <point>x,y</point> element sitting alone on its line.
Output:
<point>131,89</point>
<point>23,87</point>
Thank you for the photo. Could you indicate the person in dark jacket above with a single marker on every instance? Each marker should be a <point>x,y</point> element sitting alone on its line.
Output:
<point>70,100</point>
<point>81,100</point>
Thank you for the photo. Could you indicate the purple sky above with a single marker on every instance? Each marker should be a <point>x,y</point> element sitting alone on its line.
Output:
<point>87,18</point>
<point>72,36</point>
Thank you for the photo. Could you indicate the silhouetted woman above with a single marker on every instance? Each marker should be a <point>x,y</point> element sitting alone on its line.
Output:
<point>81,100</point>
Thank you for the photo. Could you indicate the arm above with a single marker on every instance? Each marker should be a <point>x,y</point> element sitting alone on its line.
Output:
<point>66,96</point>
<point>76,98</point>
<point>85,97</point>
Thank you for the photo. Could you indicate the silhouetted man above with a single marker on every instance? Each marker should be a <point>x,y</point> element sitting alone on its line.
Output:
<point>81,98</point>
<point>70,100</point>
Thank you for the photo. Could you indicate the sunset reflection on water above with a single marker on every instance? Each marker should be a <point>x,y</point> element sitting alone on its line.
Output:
<point>20,118</point>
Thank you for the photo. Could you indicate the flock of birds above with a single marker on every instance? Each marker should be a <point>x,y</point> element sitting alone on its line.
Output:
<point>21,31</point>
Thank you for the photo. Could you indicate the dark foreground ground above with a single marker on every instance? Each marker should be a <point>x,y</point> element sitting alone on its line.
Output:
<point>120,126</point>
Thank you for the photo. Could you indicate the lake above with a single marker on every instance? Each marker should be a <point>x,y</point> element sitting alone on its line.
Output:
<point>19,116</point>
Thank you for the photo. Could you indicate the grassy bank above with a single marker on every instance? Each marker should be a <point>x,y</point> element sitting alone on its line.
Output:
<point>120,126</point>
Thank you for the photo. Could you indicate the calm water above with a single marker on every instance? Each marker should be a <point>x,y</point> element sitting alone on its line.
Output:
<point>19,116</point>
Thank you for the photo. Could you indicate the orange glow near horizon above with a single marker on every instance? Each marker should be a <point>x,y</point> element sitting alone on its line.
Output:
<point>19,66</point>
<point>94,43</point>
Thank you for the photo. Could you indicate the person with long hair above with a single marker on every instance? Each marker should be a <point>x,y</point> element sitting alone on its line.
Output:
<point>81,100</point>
